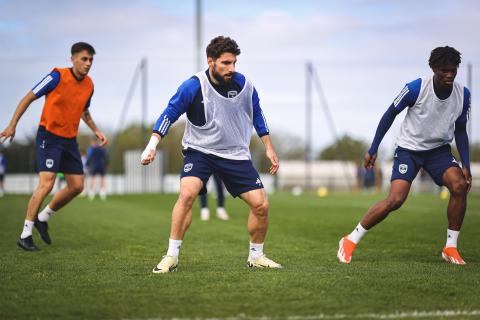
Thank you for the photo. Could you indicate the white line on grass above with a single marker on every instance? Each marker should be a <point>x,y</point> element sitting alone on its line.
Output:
<point>396,315</point>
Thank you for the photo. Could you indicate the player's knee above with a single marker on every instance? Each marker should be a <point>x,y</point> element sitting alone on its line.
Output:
<point>261,208</point>
<point>76,188</point>
<point>186,197</point>
<point>395,202</point>
<point>459,188</point>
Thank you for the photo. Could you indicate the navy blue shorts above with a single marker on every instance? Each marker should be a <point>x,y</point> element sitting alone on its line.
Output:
<point>57,154</point>
<point>97,170</point>
<point>407,163</point>
<point>239,176</point>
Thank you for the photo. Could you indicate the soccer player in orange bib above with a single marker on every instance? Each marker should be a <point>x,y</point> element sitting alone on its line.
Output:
<point>68,92</point>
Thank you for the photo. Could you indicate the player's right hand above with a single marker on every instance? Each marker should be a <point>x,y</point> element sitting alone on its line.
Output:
<point>9,132</point>
<point>148,156</point>
<point>468,178</point>
<point>369,162</point>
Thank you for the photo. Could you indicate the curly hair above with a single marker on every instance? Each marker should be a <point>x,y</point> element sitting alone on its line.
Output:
<point>80,46</point>
<point>444,56</point>
<point>220,45</point>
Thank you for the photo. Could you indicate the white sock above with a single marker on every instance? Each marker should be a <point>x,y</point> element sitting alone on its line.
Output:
<point>27,229</point>
<point>256,250</point>
<point>174,247</point>
<point>357,234</point>
<point>452,237</point>
<point>45,214</point>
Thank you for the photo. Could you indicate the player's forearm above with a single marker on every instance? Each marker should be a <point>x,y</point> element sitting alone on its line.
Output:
<point>153,142</point>
<point>21,108</point>
<point>461,140</point>
<point>267,142</point>
<point>385,123</point>
<point>87,118</point>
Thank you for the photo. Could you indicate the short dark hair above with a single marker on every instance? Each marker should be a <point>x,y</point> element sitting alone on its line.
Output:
<point>220,45</point>
<point>444,56</point>
<point>80,46</point>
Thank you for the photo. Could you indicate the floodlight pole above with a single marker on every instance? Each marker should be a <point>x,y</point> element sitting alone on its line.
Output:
<point>198,24</point>
<point>308,125</point>
<point>469,85</point>
<point>144,68</point>
<point>329,118</point>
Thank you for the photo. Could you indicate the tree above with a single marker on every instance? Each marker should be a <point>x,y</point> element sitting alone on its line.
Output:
<point>346,148</point>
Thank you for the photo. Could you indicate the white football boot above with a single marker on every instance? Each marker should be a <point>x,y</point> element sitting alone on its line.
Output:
<point>204,214</point>
<point>263,262</point>
<point>166,265</point>
<point>222,214</point>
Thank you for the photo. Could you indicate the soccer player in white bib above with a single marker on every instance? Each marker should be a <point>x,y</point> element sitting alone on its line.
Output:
<point>437,111</point>
<point>222,106</point>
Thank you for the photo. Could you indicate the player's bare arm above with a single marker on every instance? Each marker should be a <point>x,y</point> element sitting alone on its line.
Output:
<point>87,118</point>
<point>23,105</point>
<point>271,155</point>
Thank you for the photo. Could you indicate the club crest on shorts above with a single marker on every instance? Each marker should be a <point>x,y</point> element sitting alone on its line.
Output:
<point>403,168</point>
<point>49,163</point>
<point>187,167</point>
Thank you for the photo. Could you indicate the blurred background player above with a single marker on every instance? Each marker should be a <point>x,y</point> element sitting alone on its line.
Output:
<point>83,156</point>
<point>60,182</point>
<point>68,92</point>
<point>438,109</point>
<point>221,212</point>
<point>222,106</point>
<point>97,162</point>
<point>3,170</point>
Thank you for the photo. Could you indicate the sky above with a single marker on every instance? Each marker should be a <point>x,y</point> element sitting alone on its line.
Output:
<point>364,51</point>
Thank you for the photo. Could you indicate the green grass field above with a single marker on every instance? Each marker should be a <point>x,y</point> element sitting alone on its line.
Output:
<point>99,265</point>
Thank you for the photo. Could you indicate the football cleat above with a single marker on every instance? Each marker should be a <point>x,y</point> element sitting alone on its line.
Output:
<point>166,265</point>
<point>204,214</point>
<point>263,262</point>
<point>42,227</point>
<point>27,244</point>
<point>222,214</point>
<point>345,250</point>
<point>450,254</point>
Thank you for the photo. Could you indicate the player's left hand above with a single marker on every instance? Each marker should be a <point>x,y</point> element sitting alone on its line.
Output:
<point>272,156</point>
<point>9,132</point>
<point>468,177</point>
<point>101,136</point>
<point>369,161</point>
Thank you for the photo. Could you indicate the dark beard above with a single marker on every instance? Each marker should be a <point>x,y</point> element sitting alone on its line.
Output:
<point>219,78</point>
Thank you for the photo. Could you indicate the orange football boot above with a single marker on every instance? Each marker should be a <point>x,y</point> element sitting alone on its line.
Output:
<point>345,250</point>
<point>450,254</point>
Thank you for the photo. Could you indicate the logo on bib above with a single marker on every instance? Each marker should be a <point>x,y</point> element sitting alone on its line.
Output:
<point>403,168</point>
<point>49,163</point>
<point>187,167</point>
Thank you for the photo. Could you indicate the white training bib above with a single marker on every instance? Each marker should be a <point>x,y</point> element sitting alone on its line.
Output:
<point>430,122</point>
<point>229,123</point>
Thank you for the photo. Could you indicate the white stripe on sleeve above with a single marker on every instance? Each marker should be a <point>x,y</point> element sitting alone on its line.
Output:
<point>42,84</point>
